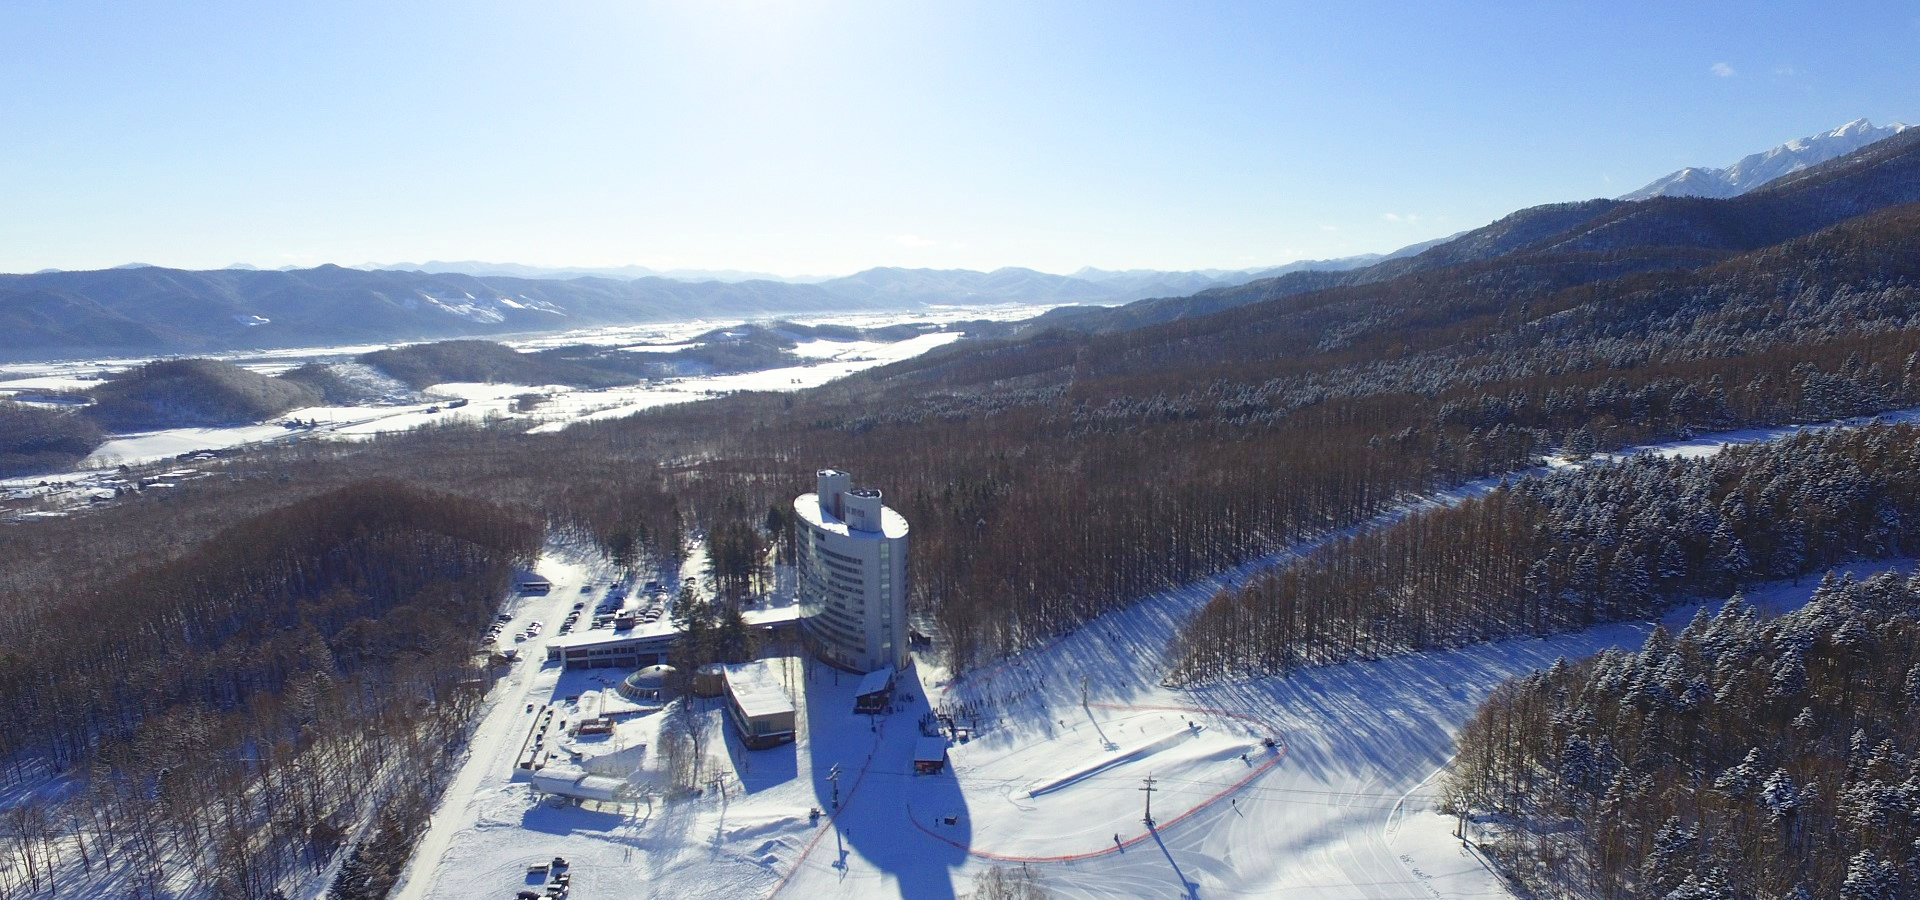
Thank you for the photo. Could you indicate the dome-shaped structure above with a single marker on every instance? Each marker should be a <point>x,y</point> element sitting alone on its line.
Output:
<point>710,681</point>
<point>653,683</point>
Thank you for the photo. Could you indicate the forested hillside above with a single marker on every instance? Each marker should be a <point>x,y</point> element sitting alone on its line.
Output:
<point>423,365</point>
<point>1649,235</point>
<point>1569,550</point>
<point>237,708</point>
<point>1742,757</point>
<point>37,439</point>
<point>171,393</point>
<point>1094,467</point>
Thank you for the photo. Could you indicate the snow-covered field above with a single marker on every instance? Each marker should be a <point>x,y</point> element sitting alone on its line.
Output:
<point>559,405</point>
<point>1061,741</point>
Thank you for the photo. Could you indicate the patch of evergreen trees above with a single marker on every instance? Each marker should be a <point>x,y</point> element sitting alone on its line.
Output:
<point>1741,757</point>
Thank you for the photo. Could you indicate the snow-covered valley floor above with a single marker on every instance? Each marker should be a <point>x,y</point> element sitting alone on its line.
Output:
<point>1061,741</point>
<point>559,407</point>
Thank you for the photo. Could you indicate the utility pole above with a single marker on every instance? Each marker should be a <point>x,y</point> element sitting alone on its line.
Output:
<point>840,849</point>
<point>1148,820</point>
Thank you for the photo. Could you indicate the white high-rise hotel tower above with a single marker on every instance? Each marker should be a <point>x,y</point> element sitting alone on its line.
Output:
<point>853,575</point>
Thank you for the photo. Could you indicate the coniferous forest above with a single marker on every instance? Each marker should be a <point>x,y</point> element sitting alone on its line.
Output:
<point>1742,757</point>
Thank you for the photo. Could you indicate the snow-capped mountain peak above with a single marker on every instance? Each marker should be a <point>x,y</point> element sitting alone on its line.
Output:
<point>1767,165</point>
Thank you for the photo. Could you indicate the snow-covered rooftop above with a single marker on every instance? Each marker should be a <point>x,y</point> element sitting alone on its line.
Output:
<point>569,781</point>
<point>770,617</point>
<point>756,687</point>
<point>598,637</point>
<point>892,524</point>
<point>874,682</point>
<point>930,749</point>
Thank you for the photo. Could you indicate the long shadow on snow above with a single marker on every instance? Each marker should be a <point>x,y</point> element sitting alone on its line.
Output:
<point>874,816</point>
<point>1394,714</point>
<point>760,769</point>
<point>568,819</point>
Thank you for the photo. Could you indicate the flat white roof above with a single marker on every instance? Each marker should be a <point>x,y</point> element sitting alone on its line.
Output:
<point>874,682</point>
<point>606,637</point>
<point>756,687</point>
<point>568,781</point>
<point>892,524</point>
<point>771,616</point>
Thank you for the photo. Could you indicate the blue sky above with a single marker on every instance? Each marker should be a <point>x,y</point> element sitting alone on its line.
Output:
<point>829,137</point>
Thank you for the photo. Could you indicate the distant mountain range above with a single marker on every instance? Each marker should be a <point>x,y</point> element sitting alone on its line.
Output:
<point>937,285</point>
<point>164,311</point>
<point>516,270</point>
<point>1758,169</point>
<point>141,309</point>
<point>1588,240</point>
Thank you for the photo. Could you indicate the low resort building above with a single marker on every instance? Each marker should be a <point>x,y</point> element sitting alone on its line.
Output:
<point>929,756</point>
<point>576,785</point>
<point>875,691</point>
<point>759,705</point>
<point>613,649</point>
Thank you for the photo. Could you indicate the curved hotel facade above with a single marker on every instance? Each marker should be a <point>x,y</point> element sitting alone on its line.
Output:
<point>853,575</point>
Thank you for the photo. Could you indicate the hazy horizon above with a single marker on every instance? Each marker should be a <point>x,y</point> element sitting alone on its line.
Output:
<point>797,277</point>
<point>806,139</point>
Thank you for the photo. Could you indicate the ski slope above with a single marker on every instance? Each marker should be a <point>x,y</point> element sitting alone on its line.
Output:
<point>1320,784</point>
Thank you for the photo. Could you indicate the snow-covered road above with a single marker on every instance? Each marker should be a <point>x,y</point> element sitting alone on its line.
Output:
<point>496,740</point>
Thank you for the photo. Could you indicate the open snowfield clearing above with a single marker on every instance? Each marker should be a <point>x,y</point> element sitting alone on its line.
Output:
<point>1106,754</point>
<point>568,408</point>
<point>331,422</point>
<point>47,383</point>
<point>657,336</point>
<point>670,336</point>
